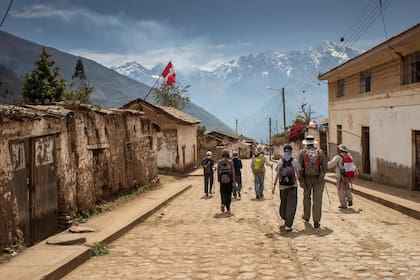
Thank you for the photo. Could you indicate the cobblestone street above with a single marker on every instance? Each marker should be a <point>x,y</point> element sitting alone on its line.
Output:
<point>190,239</point>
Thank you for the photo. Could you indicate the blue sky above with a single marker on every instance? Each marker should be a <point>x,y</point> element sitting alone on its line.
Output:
<point>195,33</point>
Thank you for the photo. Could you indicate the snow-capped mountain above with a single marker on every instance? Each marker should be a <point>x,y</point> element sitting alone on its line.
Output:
<point>237,89</point>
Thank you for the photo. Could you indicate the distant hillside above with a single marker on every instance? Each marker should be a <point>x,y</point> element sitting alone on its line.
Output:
<point>10,85</point>
<point>237,89</point>
<point>111,89</point>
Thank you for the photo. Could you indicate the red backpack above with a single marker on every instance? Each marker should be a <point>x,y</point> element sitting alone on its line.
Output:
<point>347,169</point>
<point>311,162</point>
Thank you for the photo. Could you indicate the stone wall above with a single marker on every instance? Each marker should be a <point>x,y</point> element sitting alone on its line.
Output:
<point>99,154</point>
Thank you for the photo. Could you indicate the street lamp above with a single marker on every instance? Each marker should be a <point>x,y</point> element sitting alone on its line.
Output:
<point>284,106</point>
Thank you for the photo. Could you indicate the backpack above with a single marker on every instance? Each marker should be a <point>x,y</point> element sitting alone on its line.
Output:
<point>311,163</point>
<point>225,173</point>
<point>287,173</point>
<point>259,164</point>
<point>347,168</point>
<point>208,168</point>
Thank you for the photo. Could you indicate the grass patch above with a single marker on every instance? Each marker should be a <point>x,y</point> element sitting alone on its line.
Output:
<point>99,249</point>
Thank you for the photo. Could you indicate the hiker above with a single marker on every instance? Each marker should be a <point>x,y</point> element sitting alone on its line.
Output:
<point>313,163</point>
<point>343,178</point>
<point>287,176</point>
<point>258,169</point>
<point>226,178</point>
<point>208,167</point>
<point>237,164</point>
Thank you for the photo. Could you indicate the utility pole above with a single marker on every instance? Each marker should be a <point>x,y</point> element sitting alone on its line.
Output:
<point>284,111</point>
<point>236,129</point>
<point>269,138</point>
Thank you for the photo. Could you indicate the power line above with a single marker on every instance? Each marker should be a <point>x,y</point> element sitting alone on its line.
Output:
<point>5,15</point>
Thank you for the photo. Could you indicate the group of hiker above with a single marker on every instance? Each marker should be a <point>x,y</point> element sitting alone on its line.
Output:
<point>307,171</point>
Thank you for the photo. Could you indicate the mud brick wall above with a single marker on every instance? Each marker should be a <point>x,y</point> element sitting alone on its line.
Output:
<point>98,154</point>
<point>17,124</point>
<point>112,152</point>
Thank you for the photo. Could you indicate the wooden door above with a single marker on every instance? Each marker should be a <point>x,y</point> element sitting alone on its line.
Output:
<point>365,150</point>
<point>21,168</point>
<point>417,160</point>
<point>44,188</point>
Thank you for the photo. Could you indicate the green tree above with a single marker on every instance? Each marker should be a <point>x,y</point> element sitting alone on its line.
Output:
<point>171,95</point>
<point>201,129</point>
<point>43,85</point>
<point>82,90</point>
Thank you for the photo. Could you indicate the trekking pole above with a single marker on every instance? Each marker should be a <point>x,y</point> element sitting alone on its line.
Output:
<point>328,195</point>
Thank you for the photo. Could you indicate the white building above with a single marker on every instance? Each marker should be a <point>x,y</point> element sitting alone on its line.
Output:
<point>374,109</point>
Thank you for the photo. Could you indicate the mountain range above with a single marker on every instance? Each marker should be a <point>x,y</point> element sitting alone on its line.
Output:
<point>237,89</point>
<point>111,89</point>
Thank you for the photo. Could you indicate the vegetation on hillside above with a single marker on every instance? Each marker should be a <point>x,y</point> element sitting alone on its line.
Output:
<point>44,84</point>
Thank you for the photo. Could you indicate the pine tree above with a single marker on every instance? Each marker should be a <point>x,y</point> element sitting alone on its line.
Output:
<point>83,91</point>
<point>171,95</point>
<point>43,85</point>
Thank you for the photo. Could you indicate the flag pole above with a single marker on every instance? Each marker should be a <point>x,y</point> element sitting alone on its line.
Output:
<point>150,90</point>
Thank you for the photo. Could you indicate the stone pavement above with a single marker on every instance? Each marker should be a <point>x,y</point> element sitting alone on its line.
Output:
<point>405,201</point>
<point>190,239</point>
<point>43,261</point>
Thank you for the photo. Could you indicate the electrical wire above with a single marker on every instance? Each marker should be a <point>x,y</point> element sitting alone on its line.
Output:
<point>7,12</point>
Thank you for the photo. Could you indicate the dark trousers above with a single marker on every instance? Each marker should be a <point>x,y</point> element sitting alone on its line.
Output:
<point>288,205</point>
<point>226,194</point>
<point>238,179</point>
<point>208,182</point>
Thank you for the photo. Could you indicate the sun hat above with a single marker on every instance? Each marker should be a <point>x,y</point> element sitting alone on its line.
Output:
<point>309,140</point>
<point>209,153</point>
<point>343,148</point>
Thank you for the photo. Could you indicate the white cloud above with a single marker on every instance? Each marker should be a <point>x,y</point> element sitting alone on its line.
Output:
<point>124,39</point>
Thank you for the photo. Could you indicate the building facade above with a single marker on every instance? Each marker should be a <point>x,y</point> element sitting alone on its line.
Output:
<point>176,132</point>
<point>374,108</point>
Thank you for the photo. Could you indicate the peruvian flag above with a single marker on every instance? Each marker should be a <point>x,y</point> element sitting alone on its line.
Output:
<point>169,74</point>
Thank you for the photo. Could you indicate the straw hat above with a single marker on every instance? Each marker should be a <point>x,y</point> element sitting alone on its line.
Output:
<point>309,140</point>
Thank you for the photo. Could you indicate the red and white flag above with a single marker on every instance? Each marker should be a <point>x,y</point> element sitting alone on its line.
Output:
<point>169,74</point>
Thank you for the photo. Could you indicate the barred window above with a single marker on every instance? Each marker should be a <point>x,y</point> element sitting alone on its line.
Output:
<point>340,88</point>
<point>365,81</point>
<point>411,68</point>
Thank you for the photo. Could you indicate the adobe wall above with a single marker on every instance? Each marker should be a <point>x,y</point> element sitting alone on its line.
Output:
<point>99,154</point>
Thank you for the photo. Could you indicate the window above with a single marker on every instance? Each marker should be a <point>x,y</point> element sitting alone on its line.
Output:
<point>412,68</point>
<point>365,81</point>
<point>339,134</point>
<point>340,91</point>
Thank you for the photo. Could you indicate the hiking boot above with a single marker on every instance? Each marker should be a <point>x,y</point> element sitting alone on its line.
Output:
<point>317,225</point>
<point>228,212</point>
<point>222,208</point>
<point>350,203</point>
<point>306,220</point>
<point>239,194</point>
<point>342,207</point>
<point>286,228</point>
<point>258,196</point>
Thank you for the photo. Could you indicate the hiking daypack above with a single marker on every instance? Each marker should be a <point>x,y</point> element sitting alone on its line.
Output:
<point>287,173</point>
<point>225,173</point>
<point>347,169</point>
<point>207,167</point>
<point>259,163</point>
<point>311,163</point>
